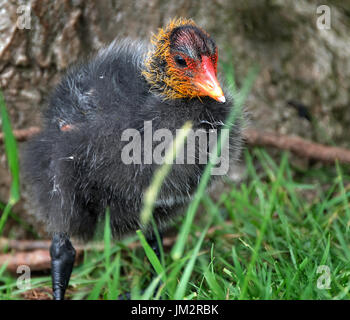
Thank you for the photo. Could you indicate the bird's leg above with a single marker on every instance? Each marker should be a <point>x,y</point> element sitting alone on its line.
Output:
<point>62,259</point>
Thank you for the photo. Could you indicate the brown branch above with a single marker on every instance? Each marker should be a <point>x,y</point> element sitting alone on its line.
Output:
<point>22,134</point>
<point>295,144</point>
<point>31,245</point>
<point>35,260</point>
<point>23,245</point>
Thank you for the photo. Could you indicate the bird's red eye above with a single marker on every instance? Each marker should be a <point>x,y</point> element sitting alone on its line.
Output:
<point>180,61</point>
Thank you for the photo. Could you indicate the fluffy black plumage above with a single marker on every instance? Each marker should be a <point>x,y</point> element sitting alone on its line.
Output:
<point>76,174</point>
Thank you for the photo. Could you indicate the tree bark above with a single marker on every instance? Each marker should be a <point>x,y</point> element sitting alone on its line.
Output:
<point>299,62</point>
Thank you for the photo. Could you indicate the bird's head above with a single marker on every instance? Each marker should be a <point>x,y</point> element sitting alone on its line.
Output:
<point>183,62</point>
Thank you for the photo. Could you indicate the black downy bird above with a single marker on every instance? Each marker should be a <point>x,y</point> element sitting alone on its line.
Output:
<point>74,165</point>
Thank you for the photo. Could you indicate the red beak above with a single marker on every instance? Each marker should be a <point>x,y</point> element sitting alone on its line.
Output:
<point>207,82</point>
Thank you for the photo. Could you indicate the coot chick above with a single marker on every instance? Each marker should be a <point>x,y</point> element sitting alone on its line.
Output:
<point>75,165</point>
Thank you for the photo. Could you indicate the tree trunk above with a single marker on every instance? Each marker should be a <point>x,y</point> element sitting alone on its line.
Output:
<point>302,68</point>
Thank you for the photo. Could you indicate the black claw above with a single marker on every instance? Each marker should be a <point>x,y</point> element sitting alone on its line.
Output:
<point>62,259</point>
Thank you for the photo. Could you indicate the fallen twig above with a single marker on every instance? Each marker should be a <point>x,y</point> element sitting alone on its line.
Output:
<point>295,144</point>
<point>35,260</point>
<point>22,134</point>
<point>23,245</point>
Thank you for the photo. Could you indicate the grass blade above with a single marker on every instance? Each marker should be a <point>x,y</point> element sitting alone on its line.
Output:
<point>12,158</point>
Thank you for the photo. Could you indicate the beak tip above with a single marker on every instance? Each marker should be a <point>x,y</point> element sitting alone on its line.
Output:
<point>221,99</point>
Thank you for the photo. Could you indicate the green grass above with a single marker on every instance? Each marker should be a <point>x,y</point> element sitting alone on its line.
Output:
<point>12,158</point>
<point>268,236</point>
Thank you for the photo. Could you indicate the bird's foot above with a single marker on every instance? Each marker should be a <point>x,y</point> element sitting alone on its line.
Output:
<point>62,259</point>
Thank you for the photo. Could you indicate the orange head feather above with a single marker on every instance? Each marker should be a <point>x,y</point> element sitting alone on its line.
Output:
<point>183,62</point>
